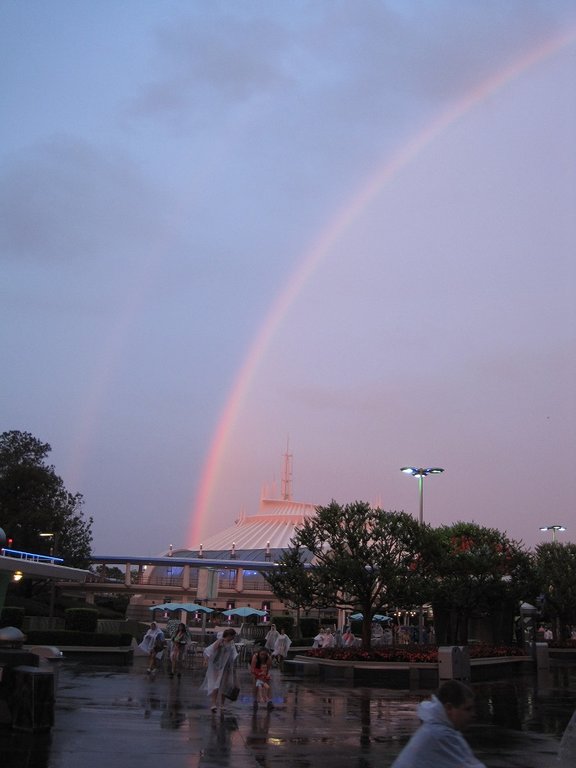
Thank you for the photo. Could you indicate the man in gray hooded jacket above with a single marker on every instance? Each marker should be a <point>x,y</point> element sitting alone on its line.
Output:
<point>438,741</point>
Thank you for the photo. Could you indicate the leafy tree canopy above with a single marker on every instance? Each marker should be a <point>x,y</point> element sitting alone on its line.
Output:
<point>556,567</point>
<point>361,558</point>
<point>480,568</point>
<point>34,500</point>
<point>297,584</point>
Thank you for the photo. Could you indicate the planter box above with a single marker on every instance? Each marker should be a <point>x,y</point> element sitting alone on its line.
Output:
<point>120,655</point>
<point>562,654</point>
<point>401,675</point>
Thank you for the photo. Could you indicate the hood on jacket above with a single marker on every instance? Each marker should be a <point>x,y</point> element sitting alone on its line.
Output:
<point>433,712</point>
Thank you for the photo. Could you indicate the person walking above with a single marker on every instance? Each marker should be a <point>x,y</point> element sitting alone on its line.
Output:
<point>270,639</point>
<point>329,639</point>
<point>281,647</point>
<point>153,644</point>
<point>438,741</point>
<point>180,641</point>
<point>169,629</point>
<point>219,659</point>
<point>348,638</point>
<point>260,665</point>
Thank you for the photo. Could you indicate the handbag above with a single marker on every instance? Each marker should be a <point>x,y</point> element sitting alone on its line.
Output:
<point>233,690</point>
<point>232,693</point>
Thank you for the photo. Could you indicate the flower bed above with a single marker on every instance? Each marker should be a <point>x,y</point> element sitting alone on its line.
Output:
<point>569,644</point>
<point>413,654</point>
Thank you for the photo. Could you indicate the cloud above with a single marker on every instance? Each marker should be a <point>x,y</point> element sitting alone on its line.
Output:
<point>222,63</point>
<point>67,200</point>
<point>363,61</point>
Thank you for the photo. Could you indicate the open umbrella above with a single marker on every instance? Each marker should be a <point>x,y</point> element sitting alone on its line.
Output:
<point>189,607</point>
<point>163,607</point>
<point>244,611</point>
<point>376,617</point>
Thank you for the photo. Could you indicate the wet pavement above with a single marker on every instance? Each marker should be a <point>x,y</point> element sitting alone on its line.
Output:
<point>119,717</point>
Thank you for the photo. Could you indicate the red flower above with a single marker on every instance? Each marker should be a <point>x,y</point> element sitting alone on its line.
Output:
<point>414,654</point>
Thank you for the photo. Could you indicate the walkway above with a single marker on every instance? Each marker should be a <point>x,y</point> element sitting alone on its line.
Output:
<point>117,717</point>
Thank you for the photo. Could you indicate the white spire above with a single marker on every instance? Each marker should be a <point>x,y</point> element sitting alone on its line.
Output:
<point>287,473</point>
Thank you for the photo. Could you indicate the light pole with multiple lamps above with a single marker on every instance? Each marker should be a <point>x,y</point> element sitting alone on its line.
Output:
<point>554,529</point>
<point>421,473</point>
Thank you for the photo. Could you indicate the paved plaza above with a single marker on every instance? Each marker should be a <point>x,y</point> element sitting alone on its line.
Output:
<point>119,717</point>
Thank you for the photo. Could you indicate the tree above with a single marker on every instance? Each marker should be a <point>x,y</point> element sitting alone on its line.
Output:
<point>363,558</point>
<point>556,568</point>
<point>480,572</point>
<point>34,500</point>
<point>298,585</point>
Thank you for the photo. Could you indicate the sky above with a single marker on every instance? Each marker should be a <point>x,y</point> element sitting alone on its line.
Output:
<point>343,229</point>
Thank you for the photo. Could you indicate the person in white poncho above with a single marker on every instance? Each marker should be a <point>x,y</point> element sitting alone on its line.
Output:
<point>153,644</point>
<point>281,646</point>
<point>438,741</point>
<point>219,658</point>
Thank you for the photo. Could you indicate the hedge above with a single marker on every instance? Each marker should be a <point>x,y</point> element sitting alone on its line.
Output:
<point>82,619</point>
<point>67,637</point>
<point>12,616</point>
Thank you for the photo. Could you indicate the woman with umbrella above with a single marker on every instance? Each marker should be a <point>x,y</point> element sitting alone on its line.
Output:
<point>219,659</point>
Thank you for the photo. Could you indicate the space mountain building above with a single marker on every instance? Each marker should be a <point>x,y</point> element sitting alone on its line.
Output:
<point>225,571</point>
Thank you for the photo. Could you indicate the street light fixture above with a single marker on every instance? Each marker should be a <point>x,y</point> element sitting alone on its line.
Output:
<point>50,536</point>
<point>421,473</point>
<point>53,544</point>
<point>554,529</point>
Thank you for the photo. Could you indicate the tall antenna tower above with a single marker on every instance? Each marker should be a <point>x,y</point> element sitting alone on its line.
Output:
<point>287,474</point>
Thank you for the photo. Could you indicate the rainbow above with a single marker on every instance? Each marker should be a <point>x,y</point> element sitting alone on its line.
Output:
<point>363,197</point>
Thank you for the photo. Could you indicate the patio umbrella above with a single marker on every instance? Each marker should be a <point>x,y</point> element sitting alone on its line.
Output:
<point>163,607</point>
<point>244,611</point>
<point>189,607</point>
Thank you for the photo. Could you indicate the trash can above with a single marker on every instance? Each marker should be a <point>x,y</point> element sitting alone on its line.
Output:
<point>448,662</point>
<point>542,657</point>
<point>453,662</point>
<point>464,663</point>
<point>32,699</point>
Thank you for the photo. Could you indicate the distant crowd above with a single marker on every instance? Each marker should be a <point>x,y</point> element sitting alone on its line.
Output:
<point>380,635</point>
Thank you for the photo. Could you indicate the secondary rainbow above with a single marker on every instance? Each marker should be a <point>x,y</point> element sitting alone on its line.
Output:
<point>363,197</point>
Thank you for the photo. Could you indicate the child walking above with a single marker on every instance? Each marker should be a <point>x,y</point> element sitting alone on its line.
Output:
<point>260,670</point>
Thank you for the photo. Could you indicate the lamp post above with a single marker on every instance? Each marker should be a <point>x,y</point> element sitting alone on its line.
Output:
<point>421,473</point>
<point>554,529</point>
<point>53,544</point>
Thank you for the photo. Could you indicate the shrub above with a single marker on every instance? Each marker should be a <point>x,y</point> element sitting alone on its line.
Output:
<point>65,637</point>
<point>82,619</point>
<point>284,622</point>
<point>12,617</point>
<point>414,654</point>
<point>306,641</point>
<point>309,627</point>
<point>569,643</point>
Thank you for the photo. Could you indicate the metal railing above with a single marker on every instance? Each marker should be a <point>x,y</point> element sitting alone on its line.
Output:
<point>31,556</point>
